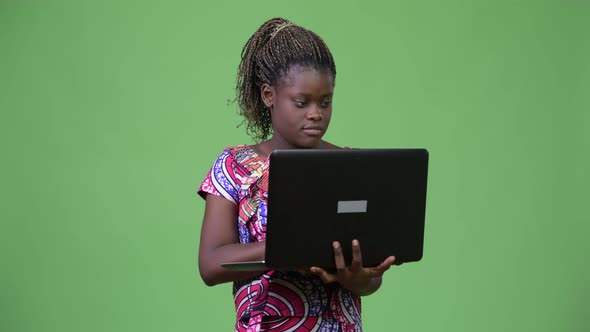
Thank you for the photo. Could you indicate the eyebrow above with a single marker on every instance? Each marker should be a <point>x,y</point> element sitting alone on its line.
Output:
<point>309,95</point>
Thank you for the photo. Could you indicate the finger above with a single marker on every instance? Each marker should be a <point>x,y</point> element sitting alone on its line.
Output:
<point>381,268</point>
<point>338,256</point>
<point>357,257</point>
<point>325,276</point>
<point>389,260</point>
<point>386,264</point>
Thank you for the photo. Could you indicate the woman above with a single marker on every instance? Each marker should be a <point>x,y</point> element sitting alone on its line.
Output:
<point>284,89</point>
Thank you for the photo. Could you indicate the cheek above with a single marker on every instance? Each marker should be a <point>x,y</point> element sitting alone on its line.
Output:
<point>284,118</point>
<point>288,113</point>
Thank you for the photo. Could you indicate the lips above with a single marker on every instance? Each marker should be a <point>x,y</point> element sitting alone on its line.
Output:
<point>313,130</point>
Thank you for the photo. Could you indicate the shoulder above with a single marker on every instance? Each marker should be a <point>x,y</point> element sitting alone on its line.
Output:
<point>244,156</point>
<point>225,176</point>
<point>240,162</point>
<point>236,159</point>
<point>232,151</point>
<point>236,149</point>
<point>235,155</point>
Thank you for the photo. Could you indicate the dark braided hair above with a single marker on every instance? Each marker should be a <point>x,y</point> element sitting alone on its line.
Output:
<point>268,55</point>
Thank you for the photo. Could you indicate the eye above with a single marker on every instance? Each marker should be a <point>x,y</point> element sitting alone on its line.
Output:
<point>299,103</point>
<point>325,103</point>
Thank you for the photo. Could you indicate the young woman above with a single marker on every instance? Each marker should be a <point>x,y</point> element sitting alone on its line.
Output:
<point>285,87</point>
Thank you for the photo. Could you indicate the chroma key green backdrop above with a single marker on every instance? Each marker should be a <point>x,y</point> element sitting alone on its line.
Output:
<point>113,111</point>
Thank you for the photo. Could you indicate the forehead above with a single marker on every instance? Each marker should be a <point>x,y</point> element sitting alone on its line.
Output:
<point>306,80</point>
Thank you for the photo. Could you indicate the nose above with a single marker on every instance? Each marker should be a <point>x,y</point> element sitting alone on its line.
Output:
<point>314,114</point>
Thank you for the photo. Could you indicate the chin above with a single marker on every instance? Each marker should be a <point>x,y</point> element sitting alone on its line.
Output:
<point>315,144</point>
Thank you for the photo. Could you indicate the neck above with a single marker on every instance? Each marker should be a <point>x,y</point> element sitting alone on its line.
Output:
<point>277,143</point>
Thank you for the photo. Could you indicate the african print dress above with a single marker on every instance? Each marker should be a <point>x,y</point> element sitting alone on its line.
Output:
<point>275,300</point>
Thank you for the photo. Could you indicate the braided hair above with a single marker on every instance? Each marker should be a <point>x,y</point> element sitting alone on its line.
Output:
<point>268,55</point>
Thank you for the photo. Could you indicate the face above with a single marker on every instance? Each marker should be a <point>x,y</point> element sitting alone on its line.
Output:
<point>301,107</point>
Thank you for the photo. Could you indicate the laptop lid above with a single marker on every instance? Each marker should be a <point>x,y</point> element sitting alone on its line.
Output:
<point>377,196</point>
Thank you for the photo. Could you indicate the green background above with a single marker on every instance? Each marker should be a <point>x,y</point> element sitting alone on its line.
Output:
<point>113,111</point>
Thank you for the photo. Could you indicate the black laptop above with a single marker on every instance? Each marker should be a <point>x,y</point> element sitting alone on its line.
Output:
<point>315,197</point>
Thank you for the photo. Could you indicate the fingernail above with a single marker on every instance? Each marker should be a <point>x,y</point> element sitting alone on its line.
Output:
<point>355,242</point>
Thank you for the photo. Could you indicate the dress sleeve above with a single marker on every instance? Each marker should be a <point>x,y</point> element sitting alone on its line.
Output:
<point>222,179</point>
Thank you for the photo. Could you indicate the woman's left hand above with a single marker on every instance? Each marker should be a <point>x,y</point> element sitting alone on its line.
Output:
<point>356,278</point>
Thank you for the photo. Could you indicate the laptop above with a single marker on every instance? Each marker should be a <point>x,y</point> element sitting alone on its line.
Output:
<point>315,197</point>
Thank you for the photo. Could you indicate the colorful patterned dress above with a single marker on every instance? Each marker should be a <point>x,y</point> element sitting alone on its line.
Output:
<point>274,300</point>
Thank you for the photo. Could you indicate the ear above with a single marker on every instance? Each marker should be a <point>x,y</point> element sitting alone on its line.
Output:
<point>267,93</point>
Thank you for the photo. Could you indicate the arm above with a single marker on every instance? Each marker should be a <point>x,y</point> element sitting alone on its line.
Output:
<point>220,243</point>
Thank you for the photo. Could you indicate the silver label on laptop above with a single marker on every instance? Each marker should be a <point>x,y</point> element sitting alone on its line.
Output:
<point>352,206</point>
